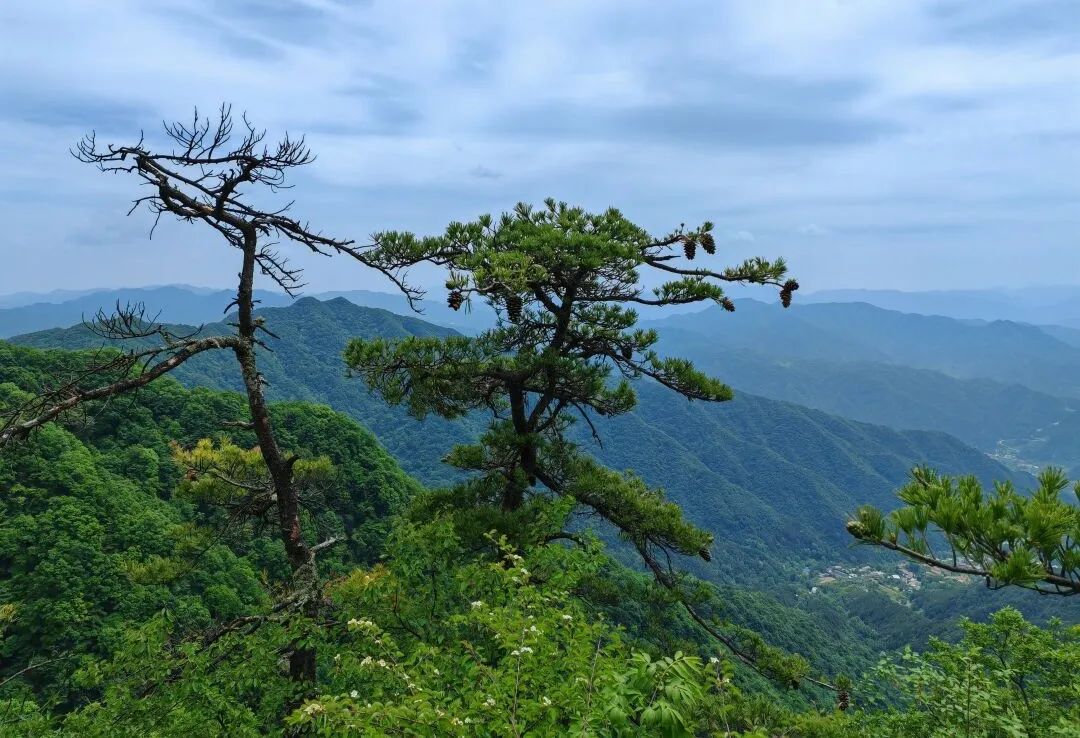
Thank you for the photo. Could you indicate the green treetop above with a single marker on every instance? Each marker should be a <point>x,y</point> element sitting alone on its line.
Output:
<point>564,284</point>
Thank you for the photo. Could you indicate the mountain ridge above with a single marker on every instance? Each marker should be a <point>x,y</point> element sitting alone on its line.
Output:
<point>306,364</point>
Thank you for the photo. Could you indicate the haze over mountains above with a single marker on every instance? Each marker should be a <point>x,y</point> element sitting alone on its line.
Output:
<point>1047,305</point>
<point>1007,388</point>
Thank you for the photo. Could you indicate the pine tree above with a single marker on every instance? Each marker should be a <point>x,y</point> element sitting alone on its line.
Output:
<point>564,284</point>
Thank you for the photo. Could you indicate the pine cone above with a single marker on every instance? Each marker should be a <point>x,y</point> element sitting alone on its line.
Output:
<point>727,304</point>
<point>785,292</point>
<point>454,299</point>
<point>627,352</point>
<point>708,243</point>
<point>843,700</point>
<point>513,306</point>
<point>690,248</point>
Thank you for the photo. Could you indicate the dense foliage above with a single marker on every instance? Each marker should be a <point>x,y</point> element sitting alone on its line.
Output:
<point>97,533</point>
<point>1003,537</point>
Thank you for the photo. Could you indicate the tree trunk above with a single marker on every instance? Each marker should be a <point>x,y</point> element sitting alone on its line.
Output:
<point>301,661</point>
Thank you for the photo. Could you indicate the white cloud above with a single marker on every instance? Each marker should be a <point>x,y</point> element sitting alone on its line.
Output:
<point>944,129</point>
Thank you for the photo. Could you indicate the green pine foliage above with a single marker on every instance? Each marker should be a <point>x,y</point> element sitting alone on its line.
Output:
<point>1004,537</point>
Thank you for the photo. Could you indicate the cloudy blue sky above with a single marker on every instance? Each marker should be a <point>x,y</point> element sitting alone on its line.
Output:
<point>900,144</point>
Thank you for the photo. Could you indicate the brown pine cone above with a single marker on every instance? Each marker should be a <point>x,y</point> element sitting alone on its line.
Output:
<point>727,304</point>
<point>786,291</point>
<point>843,700</point>
<point>690,248</point>
<point>513,306</point>
<point>708,243</point>
<point>454,299</point>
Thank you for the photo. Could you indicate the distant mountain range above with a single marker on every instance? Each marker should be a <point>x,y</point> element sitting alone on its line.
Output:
<point>1004,351</point>
<point>26,312</point>
<point>1050,305</point>
<point>175,304</point>
<point>1007,388</point>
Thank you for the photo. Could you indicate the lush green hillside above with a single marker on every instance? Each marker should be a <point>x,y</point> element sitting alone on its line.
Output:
<point>94,507</point>
<point>772,476</point>
<point>980,412</point>
<point>94,539</point>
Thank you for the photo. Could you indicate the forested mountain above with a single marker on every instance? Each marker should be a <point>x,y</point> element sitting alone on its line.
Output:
<point>305,363</point>
<point>743,466</point>
<point>1002,350</point>
<point>980,412</point>
<point>94,536</point>
<point>773,480</point>
<point>740,466</point>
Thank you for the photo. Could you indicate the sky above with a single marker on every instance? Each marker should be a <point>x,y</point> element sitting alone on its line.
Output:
<point>904,144</point>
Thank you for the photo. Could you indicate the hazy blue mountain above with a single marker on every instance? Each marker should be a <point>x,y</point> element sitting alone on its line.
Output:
<point>176,304</point>
<point>1051,305</point>
<point>16,299</point>
<point>1064,334</point>
<point>1004,351</point>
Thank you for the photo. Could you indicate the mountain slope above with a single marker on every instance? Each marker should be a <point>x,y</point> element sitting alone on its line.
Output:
<point>1007,352</point>
<point>304,363</point>
<point>740,468</point>
<point>89,503</point>
<point>981,412</point>
<point>769,476</point>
